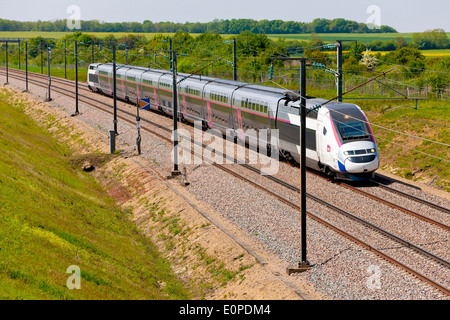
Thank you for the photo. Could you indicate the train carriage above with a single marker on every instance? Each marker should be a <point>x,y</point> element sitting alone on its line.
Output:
<point>339,140</point>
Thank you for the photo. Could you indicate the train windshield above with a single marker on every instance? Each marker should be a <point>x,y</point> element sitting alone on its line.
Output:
<point>351,124</point>
<point>351,129</point>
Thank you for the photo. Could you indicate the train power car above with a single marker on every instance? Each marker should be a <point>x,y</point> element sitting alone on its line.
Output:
<point>339,140</point>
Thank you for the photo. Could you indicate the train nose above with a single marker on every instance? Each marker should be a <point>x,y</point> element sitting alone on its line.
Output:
<point>364,163</point>
<point>359,157</point>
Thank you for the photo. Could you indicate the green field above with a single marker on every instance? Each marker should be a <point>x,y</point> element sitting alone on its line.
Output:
<point>361,37</point>
<point>60,35</point>
<point>53,215</point>
<point>328,37</point>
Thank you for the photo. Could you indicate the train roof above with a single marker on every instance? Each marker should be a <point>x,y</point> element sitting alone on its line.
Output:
<point>332,105</point>
<point>292,95</point>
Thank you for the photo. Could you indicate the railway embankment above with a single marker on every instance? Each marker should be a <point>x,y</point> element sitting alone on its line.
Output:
<point>132,234</point>
<point>61,235</point>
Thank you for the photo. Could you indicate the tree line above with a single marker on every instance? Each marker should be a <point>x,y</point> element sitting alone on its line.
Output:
<point>221,26</point>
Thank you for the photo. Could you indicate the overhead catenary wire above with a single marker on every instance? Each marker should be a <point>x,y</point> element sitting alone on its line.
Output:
<point>395,131</point>
<point>396,143</point>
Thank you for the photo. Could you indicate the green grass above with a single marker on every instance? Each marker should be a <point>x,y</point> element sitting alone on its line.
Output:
<point>56,71</point>
<point>53,216</point>
<point>412,158</point>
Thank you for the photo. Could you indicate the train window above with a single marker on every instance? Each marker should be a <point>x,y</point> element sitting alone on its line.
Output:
<point>352,129</point>
<point>324,131</point>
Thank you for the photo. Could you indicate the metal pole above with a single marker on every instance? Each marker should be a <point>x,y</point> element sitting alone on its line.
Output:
<point>234,60</point>
<point>114,88</point>
<point>7,78</point>
<point>42,59</point>
<point>49,98</point>
<point>112,141</point>
<point>26,66</point>
<point>65,61</point>
<point>138,126</point>
<point>76,78</point>
<point>175,171</point>
<point>339,70</point>
<point>18,46</point>
<point>92,51</point>
<point>171,54</point>
<point>303,159</point>
<point>303,264</point>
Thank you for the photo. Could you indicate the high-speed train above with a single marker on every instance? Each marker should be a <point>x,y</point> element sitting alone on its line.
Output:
<point>339,140</point>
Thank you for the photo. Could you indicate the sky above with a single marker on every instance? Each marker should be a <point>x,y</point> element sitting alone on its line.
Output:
<point>403,15</point>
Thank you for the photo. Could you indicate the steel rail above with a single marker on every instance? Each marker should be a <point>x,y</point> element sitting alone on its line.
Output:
<point>423,201</point>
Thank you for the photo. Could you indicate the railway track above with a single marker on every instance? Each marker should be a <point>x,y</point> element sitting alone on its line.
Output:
<point>108,108</point>
<point>83,87</point>
<point>414,198</point>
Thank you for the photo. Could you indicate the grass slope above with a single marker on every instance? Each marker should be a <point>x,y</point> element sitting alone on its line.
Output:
<point>53,216</point>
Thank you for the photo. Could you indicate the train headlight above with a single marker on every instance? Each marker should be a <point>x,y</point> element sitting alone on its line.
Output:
<point>372,150</point>
<point>346,153</point>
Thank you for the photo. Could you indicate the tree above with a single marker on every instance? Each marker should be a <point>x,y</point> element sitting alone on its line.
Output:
<point>320,26</point>
<point>400,42</point>
<point>318,56</point>
<point>411,58</point>
<point>369,61</point>
<point>440,79</point>
<point>434,39</point>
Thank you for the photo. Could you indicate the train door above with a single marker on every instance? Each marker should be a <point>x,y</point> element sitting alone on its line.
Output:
<point>236,118</point>
<point>324,138</point>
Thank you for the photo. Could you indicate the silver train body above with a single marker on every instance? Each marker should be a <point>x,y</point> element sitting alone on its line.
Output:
<point>339,140</point>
